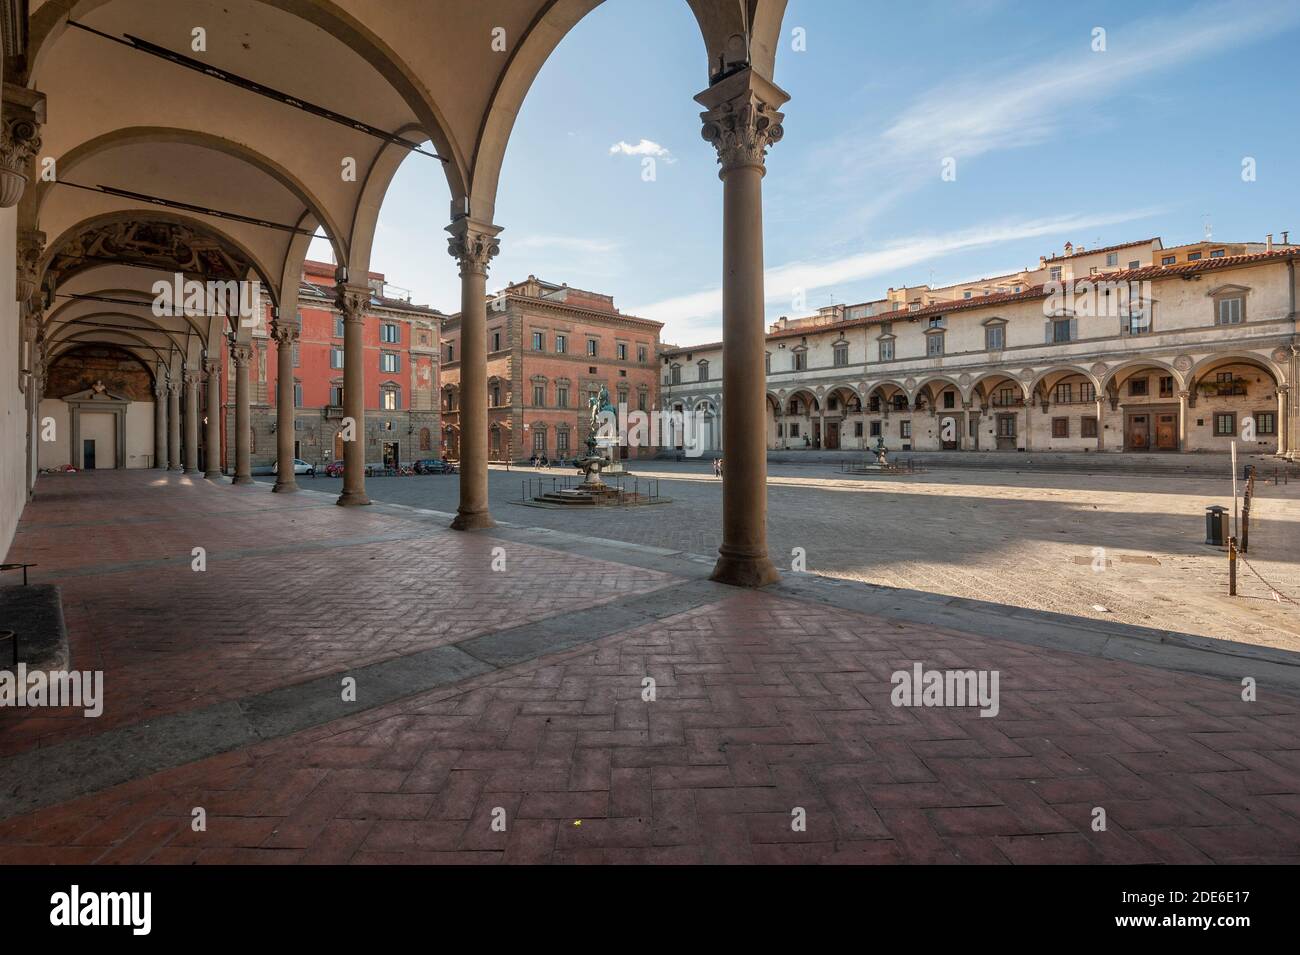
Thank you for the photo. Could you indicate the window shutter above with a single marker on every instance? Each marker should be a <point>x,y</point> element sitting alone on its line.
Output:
<point>1047,332</point>
<point>1074,329</point>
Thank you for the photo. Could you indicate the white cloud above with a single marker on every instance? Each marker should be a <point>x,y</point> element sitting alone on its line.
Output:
<point>693,313</point>
<point>564,243</point>
<point>645,147</point>
<point>1004,109</point>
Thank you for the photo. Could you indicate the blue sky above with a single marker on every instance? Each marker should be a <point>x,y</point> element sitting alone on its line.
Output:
<point>1053,142</point>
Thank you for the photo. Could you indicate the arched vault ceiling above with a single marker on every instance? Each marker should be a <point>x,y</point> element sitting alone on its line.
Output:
<point>427,65</point>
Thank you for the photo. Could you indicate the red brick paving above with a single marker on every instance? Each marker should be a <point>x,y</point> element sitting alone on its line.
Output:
<point>763,704</point>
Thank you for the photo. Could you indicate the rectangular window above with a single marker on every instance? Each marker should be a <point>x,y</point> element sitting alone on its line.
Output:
<point>539,395</point>
<point>1061,331</point>
<point>1112,258</point>
<point>703,371</point>
<point>1055,273</point>
<point>1217,254</point>
<point>1064,394</point>
<point>390,333</point>
<point>451,352</point>
<point>640,353</point>
<point>561,344</point>
<point>336,396</point>
<point>1136,322</point>
<point>1137,388</point>
<point>539,440</point>
<point>1135,264</point>
<point>934,345</point>
<point>388,362</point>
<point>857,429</point>
<point>496,341</point>
<point>794,429</point>
<point>994,338</point>
<point>338,326</point>
<point>1060,427</point>
<point>1006,426</point>
<point>1087,392</point>
<point>621,349</point>
<point>950,399</point>
<point>297,394</point>
<point>800,361</point>
<point>1193,256</point>
<point>675,375</point>
<point>841,355</point>
<point>592,347</point>
<point>875,429</point>
<point>297,358</point>
<point>537,341</point>
<point>1166,386</point>
<point>887,350</point>
<point>1225,425</point>
<point>904,429</point>
<point>1168,259</point>
<point>390,399</point>
<point>496,396</point>
<point>336,356</point>
<point>767,363</point>
<point>1265,423</point>
<point>1229,311</point>
<point>1088,427</point>
<point>561,396</point>
<point>562,440</point>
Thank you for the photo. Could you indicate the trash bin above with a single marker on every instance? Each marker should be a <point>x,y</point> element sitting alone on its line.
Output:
<point>1216,525</point>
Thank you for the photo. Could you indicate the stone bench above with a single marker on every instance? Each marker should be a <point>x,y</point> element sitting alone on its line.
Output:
<point>35,614</point>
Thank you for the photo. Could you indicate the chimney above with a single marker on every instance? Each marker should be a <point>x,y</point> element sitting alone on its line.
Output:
<point>1285,241</point>
<point>1268,242</point>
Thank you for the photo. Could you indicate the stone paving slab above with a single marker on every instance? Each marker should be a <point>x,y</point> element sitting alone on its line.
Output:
<point>766,705</point>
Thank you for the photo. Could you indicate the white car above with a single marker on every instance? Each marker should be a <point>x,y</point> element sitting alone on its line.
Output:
<point>299,467</point>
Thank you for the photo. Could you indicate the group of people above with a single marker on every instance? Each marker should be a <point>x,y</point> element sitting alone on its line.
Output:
<point>540,461</point>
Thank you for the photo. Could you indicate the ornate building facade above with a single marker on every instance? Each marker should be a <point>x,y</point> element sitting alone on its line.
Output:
<point>1105,350</point>
<point>550,348</point>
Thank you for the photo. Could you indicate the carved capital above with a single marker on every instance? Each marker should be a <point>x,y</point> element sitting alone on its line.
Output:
<point>173,386</point>
<point>285,333</point>
<point>191,378</point>
<point>159,385</point>
<point>212,366</point>
<point>352,301</point>
<point>473,244</point>
<point>241,355</point>
<point>31,246</point>
<point>742,119</point>
<point>21,117</point>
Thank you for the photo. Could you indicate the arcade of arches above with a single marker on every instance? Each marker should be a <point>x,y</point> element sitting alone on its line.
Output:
<point>127,162</point>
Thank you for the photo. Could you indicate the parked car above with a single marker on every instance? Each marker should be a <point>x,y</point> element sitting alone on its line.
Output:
<point>334,469</point>
<point>434,466</point>
<point>299,467</point>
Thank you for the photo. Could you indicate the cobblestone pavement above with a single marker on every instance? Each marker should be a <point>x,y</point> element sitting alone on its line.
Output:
<point>1025,538</point>
<point>766,710</point>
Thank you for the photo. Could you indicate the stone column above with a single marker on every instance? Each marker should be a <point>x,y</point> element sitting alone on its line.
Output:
<point>191,421</point>
<point>742,120</point>
<point>1182,421</point>
<point>212,439</point>
<point>285,335</point>
<point>1283,409</point>
<point>1101,424</point>
<point>160,421</point>
<point>241,355</point>
<point>173,425</point>
<point>352,301</point>
<point>473,244</point>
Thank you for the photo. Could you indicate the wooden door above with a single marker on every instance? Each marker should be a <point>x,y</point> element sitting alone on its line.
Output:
<point>1167,432</point>
<point>832,435</point>
<point>1138,433</point>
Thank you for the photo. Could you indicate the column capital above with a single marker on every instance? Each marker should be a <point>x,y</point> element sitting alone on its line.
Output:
<point>21,116</point>
<point>191,377</point>
<point>285,333</point>
<point>352,301</point>
<point>173,386</point>
<point>473,244</point>
<point>241,354</point>
<point>31,246</point>
<point>160,385</point>
<point>1283,389</point>
<point>212,366</point>
<point>742,119</point>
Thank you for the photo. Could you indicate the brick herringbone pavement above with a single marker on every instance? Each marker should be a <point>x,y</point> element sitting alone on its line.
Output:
<point>763,707</point>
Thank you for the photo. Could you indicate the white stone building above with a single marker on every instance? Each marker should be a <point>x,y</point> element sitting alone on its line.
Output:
<point>1098,356</point>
